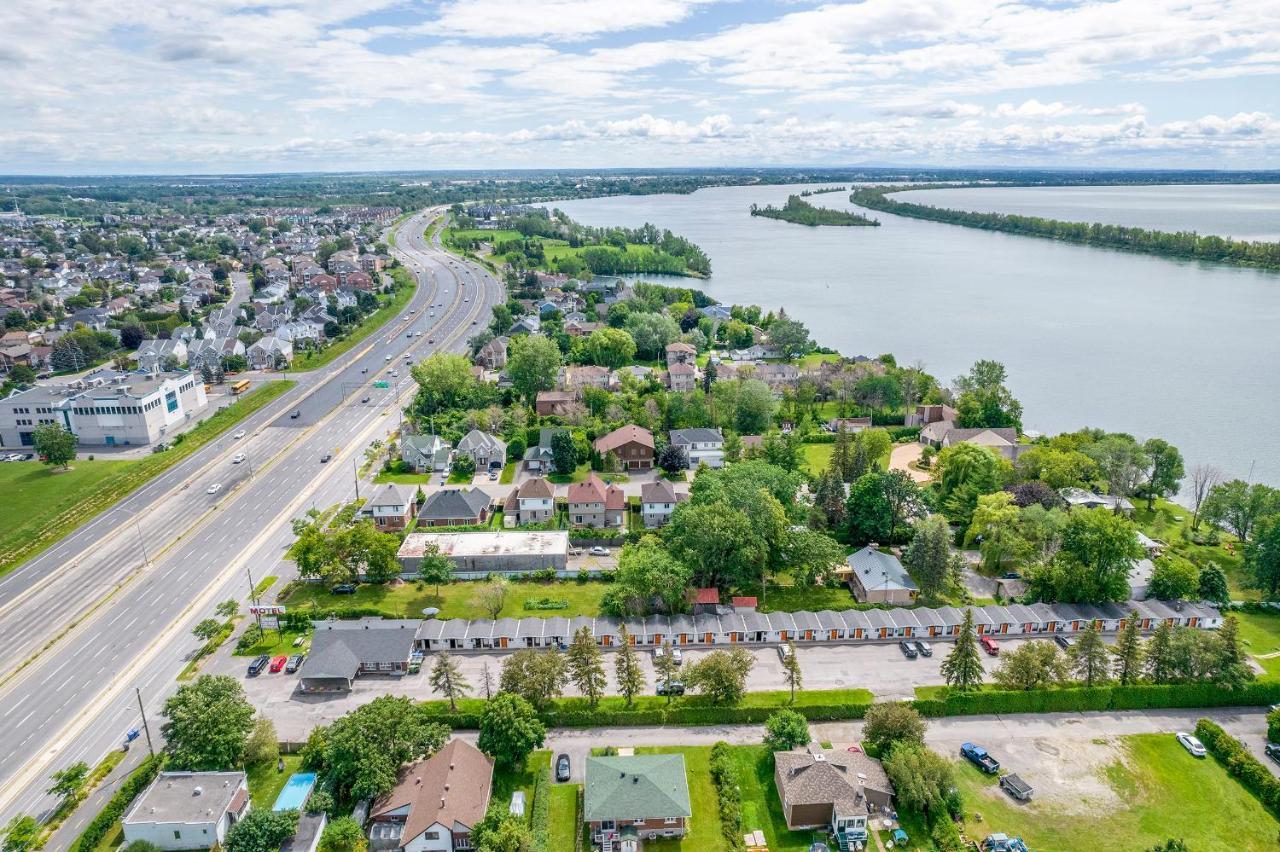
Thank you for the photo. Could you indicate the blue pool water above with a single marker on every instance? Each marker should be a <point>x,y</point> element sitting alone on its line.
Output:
<point>295,792</point>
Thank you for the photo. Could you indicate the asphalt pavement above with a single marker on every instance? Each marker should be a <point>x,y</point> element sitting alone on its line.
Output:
<point>92,620</point>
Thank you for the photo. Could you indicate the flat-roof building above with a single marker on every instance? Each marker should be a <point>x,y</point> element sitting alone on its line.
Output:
<point>188,810</point>
<point>490,552</point>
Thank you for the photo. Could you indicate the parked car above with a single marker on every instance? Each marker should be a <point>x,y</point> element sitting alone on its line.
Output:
<point>258,664</point>
<point>925,649</point>
<point>784,651</point>
<point>658,653</point>
<point>277,663</point>
<point>562,768</point>
<point>675,655</point>
<point>676,687</point>
<point>295,663</point>
<point>989,645</point>
<point>1273,751</point>
<point>908,649</point>
<point>343,589</point>
<point>324,458</point>
<point>238,435</point>
<point>493,476</point>
<point>1010,575</point>
<point>1191,744</point>
<point>978,756</point>
<point>1063,642</point>
<point>237,458</point>
<point>599,551</point>
<point>214,488</point>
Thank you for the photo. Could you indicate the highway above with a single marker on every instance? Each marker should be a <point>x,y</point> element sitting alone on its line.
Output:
<point>86,623</point>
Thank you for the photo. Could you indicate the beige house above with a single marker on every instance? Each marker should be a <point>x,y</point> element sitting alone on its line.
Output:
<point>596,504</point>
<point>837,791</point>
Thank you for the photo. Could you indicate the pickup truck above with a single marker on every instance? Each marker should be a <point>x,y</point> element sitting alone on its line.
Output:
<point>977,755</point>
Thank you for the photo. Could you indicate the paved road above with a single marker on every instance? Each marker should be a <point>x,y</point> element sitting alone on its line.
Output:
<point>77,699</point>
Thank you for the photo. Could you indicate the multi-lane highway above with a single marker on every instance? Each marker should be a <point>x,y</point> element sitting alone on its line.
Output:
<point>88,622</point>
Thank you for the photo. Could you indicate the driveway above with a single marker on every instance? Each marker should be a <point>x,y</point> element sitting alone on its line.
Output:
<point>904,454</point>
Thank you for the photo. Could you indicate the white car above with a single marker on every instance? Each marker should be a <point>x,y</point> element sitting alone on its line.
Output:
<point>214,488</point>
<point>237,458</point>
<point>1191,744</point>
<point>599,551</point>
<point>239,435</point>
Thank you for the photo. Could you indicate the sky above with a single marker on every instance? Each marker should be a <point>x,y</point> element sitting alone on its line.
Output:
<point>216,86</point>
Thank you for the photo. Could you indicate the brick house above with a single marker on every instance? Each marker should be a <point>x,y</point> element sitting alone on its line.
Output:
<point>390,508</point>
<point>657,501</point>
<point>597,505</point>
<point>644,796</point>
<point>631,445</point>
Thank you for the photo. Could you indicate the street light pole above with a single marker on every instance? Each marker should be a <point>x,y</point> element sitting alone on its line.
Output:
<point>145,727</point>
<point>355,475</point>
<point>146,560</point>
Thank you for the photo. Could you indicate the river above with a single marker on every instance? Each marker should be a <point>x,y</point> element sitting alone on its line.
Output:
<point>1091,337</point>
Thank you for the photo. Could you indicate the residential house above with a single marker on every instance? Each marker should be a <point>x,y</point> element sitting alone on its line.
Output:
<point>391,507</point>
<point>554,403</point>
<point>658,499</point>
<point>455,507</point>
<point>631,445</point>
<point>682,377</point>
<point>188,810</point>
<point>533,502</point>
<point>488,451</point>
<point>595,504</point>
<point>493,355</point>
<point>835,791</point>
<point>1079,498</point>
<point>878,577</point>
<point>211,351</point>
<point>590,375</point>
<point>436,802</point>
<point>681,353</point>
<point>704,446</point>
<point>425,453</point>
<point>538,458</point>
<point>270,353</point>
<point>1002,441</point>
<point>926,414</point>
<point>847,424</point>
<point>717,313</point>
<point>154,355</point>
<point>527,324</point>
<point>643,797</point>
<point>342,650</point>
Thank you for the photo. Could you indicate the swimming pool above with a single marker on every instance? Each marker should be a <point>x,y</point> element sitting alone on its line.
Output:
<point>295,792</point>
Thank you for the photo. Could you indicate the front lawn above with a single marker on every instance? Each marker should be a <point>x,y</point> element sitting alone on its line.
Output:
<point>456,600</point>
<point>761,807</point>
<point>507,781</point>
<point>1260,634</point>
<point>566,821</point>
<point>508,473</point>
<point>1162,793</point>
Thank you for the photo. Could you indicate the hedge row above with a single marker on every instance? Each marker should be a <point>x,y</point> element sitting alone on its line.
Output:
<point>1116,697</point>
<point>541,821</point>
<point>1240,764</point>
<point>728,795</point>
<point>102,824</point>
<point>468,714</point>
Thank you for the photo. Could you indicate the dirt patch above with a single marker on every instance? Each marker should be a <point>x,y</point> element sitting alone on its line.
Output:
<point>1070,775</point>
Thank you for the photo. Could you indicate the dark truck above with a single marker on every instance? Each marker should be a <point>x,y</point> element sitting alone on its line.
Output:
<point>1016,787</point>
<point>977,755</point>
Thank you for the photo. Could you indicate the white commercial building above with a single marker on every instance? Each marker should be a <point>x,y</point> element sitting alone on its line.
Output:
<point>480,553</point>
<point>188,810</point>
<point>124,409</point>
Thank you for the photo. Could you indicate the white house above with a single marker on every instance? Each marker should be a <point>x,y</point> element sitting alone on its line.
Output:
<point>436,802</point>
<point>704,446</point>
<point>188,810</point>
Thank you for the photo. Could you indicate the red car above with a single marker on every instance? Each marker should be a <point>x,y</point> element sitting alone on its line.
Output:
<point>988,644</point>
<point>277,663</point>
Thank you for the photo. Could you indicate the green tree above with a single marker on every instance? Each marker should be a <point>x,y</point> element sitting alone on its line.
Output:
<point>965,473</point>
<point>492,596</point>
<point>362,550</point>
<point>719,540</point>
<point>227,608</point>
<point>1032,665</point>
<point>890,722</point>
<point>1166,472</point>
<point>995,527</point>
<point>928,558</point>
<point>755,407</point>
<point>67,783</point>
<point>208,725</point>
<point>627,673</point>
<point>501,831</point>
<point>262,830</point>
<point>533,363</point>
<point>1121,462</point>
<point>721,676</point>
<point>651,333</point>
<point>55,444</point>
<point>586,666</point>
<point>445,381</point>
<point>962,669</point>
<point>647,572</point>
<point>922,779</point>
<point>564,456</point>
<point>1173,579</point>
<point>435,568</point>
<point>785,729</point>
<point>1262,557</point>
<point>536,676</point>
<point>1128,651</point>
<point>665,669</point>
<point>1232,666</point>
<point>1212,584</point>
<point>1098,550</point>
<point>984,401</point>
<point>610,347</point>
<point>1159,651</point>
<point>1238,505</point>
<point>791,673</point>
<point>510,730</point>
<point>810,556</point>
<point>343,834</point>
<point>790,336</point>
<point>447,679</point>
<point>1089,657</point>
<point>263,746</point>
<point>21,834</point>
<point>206,629</point>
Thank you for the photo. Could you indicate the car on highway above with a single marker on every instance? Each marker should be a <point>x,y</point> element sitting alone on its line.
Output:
<point>364,398</point>
<point>1191,744</point>
<point>238,435</point>
<point>410,334</point>
<point>562,768</point>
<point>277,663</point>
<point>237,458</point>
<point>908,649</point>
<point>675,687</point>
<point>395,374</point>
<point>364,370</point>
<point>599,551</point>
<point>214,488</point>
<point>295,663</point>
<point>475,322</point>
<point>258,664</point>
<point>388,358</point>
<point>324,458</point>
<point>296,414</point>
<point>431,340</point>
<point>433,313</point>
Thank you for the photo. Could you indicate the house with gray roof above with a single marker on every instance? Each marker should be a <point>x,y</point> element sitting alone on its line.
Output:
<point>837,791</point>
<point>425,453</point>
<point>455,507</point>
<point>341,651</point>
<point>487,451</point>
<point>878,577</point>
<point>704,446</point>
<point>643,796</point>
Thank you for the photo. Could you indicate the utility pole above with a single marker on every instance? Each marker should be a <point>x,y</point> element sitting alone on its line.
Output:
<point>142,541</point>
<point>146,728</point>
<point>355,475</point>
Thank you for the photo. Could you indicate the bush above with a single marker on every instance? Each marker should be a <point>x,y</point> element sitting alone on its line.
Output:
<point>545,603</point>
<point>1240,764</point>
<point>1273,726</point>
<point>946,836</point>
<point>541,818</point>
<point>903,433</point>
<point>251,636</point>
<point>728,796</point>
<point>1144,696</point>
<point>106,819</point>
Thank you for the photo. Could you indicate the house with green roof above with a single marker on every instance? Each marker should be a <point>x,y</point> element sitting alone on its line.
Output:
<point>643,796</point>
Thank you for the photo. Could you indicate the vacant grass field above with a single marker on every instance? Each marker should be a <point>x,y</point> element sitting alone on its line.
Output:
<point>1165,792</point>
<point>456,600</point>
<point>42,505</point>
<point>1261,637</point>
<point>817,457</point>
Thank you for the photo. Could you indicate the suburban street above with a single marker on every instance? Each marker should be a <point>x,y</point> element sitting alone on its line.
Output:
<point>90,621</point>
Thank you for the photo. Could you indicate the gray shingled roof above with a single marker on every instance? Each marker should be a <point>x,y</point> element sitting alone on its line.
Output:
<point>644,786</point>
<point>451,503</point>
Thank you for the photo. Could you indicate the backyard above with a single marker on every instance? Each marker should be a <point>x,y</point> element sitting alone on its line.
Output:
<point>456,600</point>
<point>1166,523</point>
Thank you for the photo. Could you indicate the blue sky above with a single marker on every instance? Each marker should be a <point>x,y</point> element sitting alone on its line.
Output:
<point>124,86</point>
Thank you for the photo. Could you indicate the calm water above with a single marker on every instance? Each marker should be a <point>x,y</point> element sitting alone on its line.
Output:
<point>1091,337</point>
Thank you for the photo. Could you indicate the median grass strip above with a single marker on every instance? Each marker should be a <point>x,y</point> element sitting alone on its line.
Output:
<point>42,505</point>
<point>405,287</point>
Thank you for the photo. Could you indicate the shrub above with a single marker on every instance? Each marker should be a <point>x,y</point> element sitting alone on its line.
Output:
<point>1273,726</point>
<point>946,836</point>
<point>106,819</point>
<point>545,603</point>
<point>1240,764</point>
<point>728,796</point>
<point>541,819</point>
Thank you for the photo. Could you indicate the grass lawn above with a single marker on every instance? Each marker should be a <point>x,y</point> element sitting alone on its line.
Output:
<point>265,783</point>
<point>456,600</point>
<point>1166,523</point>
<point>813,359</point>
<point>370,325</point>
<point>274,643</point>
<point>566,822</point>
<point>761,807</point>
<point>506,782</point>
<point>1260,635</point>
<point>403,478</point>
<point>817,457</point>
<point>704,827</point>
<point>1163,792</point>
<point>788,598</point>
<point>41,505</point>
<point>580,474</point>
<point>508,473</point>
